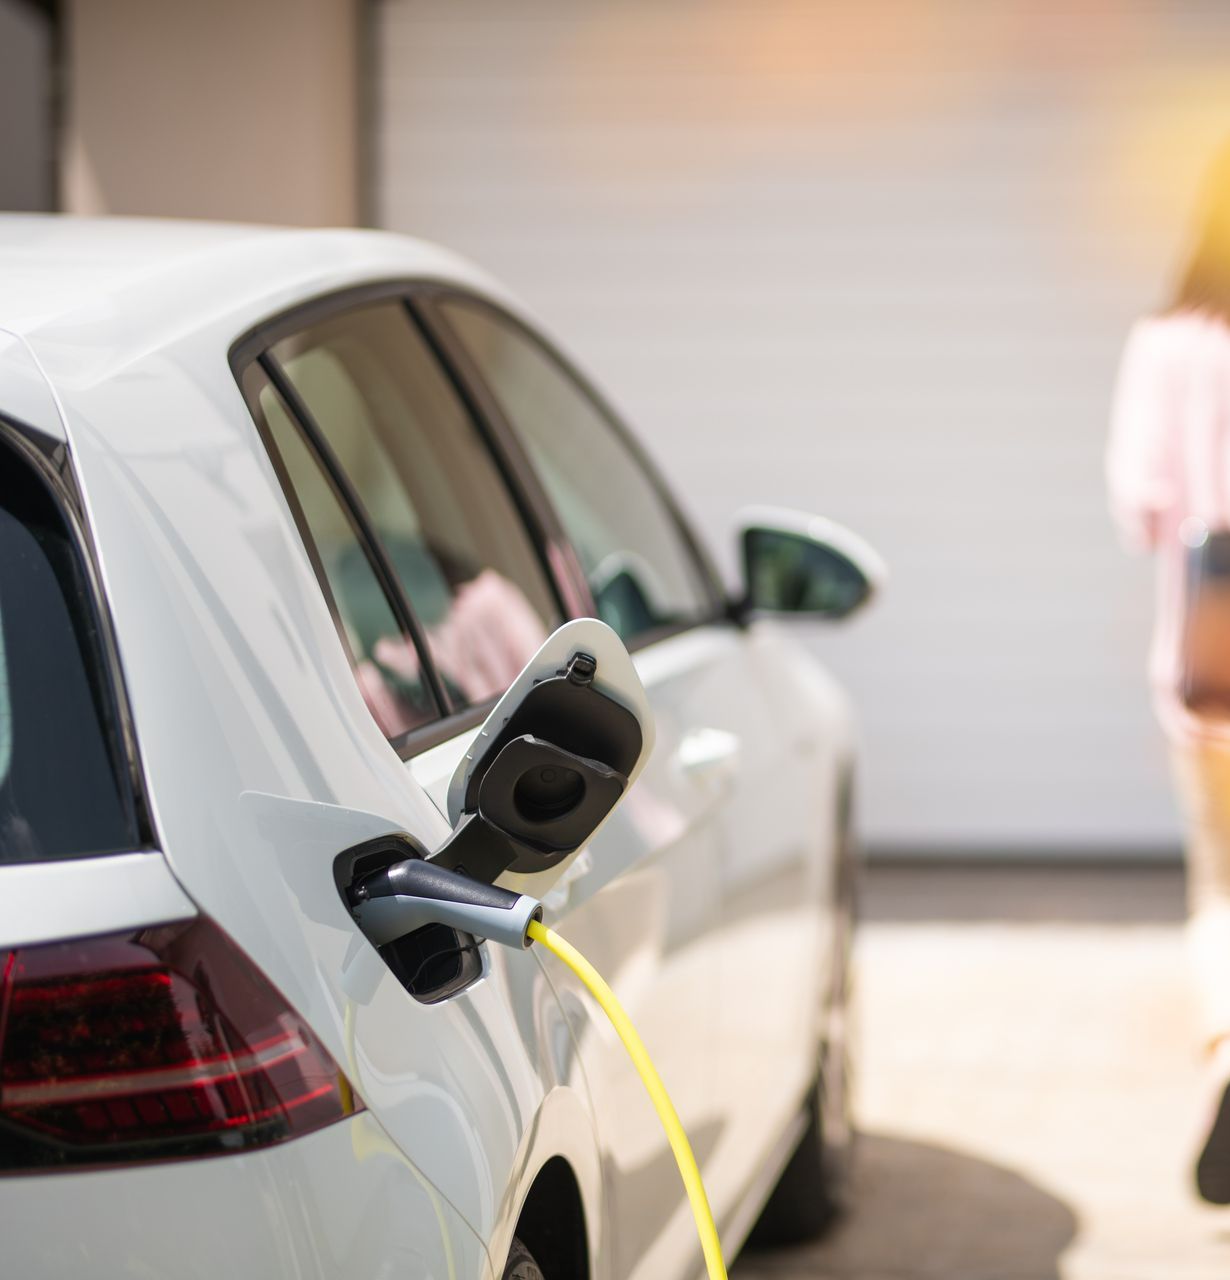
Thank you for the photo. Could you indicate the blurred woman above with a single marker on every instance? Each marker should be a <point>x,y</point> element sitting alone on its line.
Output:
<point>1169,476</point>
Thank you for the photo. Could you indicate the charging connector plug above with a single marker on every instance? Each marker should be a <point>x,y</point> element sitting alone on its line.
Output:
<point>412,893</point>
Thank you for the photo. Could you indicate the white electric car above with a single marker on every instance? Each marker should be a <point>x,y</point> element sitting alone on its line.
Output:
<point>282,516</point>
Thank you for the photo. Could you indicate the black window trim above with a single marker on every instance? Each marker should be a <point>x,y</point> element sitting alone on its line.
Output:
<point>707,575</point>
<point>537,513</point>
<point>361,523</point>
<point>51,464</point>
<point>519,473</point>
<point>419,296</point>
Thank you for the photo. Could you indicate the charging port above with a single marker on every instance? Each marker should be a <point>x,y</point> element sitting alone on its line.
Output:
<point>433,962</point>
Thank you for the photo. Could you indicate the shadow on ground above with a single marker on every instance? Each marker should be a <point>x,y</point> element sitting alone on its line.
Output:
<point>927,1213</point>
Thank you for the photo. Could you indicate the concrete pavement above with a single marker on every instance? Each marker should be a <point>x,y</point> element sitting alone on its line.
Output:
<point>1028,1087</point>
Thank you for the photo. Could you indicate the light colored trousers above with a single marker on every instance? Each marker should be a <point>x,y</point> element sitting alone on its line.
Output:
<point>1202,774</point>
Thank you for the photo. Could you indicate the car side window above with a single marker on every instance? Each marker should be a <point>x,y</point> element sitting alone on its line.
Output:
<point>63,789</point>
<point>641,570</point>
<point>432,490</point>
<point>384,660</point>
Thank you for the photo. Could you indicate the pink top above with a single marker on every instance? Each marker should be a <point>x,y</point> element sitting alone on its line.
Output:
<point>1168,460</point>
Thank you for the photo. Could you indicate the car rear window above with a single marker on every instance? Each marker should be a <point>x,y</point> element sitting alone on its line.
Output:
<point>63,793</point>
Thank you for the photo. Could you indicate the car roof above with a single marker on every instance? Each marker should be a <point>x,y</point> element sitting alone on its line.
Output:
<point>62,274</point>
<point>83,300</point>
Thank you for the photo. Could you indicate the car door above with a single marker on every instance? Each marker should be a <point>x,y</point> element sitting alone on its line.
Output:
<point>715,922</point>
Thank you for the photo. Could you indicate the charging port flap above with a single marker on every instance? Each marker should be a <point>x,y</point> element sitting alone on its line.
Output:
<point>552,760</point>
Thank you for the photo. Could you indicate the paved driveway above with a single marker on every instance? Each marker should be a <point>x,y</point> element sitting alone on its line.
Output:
<point>1028,1087</point>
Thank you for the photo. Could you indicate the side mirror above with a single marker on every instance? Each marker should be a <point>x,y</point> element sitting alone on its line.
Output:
<point>552,760</point>
<point>805,565</point>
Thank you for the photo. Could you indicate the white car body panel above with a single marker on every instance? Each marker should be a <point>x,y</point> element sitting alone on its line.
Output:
<point>80,897</point>
<point>246,1217</point>
<point>262,763</point>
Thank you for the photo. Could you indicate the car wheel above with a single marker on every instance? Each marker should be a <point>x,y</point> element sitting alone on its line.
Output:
<point>835,1092</point>
<point>812,1190</point>
<point>521,1265</point>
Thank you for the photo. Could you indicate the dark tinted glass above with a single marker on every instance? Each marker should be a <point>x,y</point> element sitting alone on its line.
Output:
<point>641,571</point>
<point>433,491</point>
<point>791,574</point>
<point>62,793</point>
<point>385,662</point>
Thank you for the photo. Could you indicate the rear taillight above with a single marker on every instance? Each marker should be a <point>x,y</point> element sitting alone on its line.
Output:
<point>152,1045</point>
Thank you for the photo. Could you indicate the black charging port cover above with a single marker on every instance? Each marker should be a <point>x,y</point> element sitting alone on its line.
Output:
<point>567,711</point>
<point>545,781</point>
<point>545,797</point>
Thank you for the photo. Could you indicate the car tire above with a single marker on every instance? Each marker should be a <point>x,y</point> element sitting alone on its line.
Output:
<point>521,1264</point>
<point>812,1191</point>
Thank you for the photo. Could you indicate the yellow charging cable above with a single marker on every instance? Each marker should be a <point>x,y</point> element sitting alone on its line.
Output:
<point>684,1158</point>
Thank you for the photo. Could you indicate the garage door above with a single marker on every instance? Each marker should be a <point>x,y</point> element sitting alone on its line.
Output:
<point>874,260</point>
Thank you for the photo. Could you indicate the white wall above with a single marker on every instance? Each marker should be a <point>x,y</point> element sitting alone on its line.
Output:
<point>874,260</point>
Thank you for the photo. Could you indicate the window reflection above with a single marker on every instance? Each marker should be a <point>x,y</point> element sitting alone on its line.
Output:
<point>385,664</point>
<point>641,573</point>
<point>430,487</point>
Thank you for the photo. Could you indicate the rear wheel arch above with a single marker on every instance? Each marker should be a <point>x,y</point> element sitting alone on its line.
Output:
<point>552,1223</point>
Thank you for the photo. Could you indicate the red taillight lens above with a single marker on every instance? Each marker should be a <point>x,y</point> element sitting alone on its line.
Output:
<point>151,1045</point>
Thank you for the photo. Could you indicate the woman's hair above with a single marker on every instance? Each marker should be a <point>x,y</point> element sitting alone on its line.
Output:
<point>1205,283</point>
